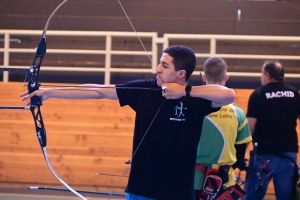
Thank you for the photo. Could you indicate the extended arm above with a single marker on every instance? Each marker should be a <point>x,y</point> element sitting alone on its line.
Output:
<point>93,92</point>
<point>219,95</point>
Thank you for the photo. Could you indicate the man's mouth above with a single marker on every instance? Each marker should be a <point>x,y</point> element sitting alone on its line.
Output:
<point>159,77</point>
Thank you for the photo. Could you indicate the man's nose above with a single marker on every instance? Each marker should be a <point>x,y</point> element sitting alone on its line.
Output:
<point>158,68</point>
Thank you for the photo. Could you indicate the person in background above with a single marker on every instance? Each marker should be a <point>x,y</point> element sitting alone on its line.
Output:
<point>222,145</point>
<point>169,116</point>
<point>272,114</point>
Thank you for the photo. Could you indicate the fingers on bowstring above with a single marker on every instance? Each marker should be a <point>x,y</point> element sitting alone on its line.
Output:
<point>25,97</point>
<point>24,94</point>
<point>164,89</point>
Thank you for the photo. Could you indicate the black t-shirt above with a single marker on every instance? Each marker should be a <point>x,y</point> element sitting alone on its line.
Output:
<point>276,107</point>
<point>163,166</point>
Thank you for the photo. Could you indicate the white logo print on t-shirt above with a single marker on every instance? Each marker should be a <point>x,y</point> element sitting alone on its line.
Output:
<point>279,94</point>
<point>179,113</point>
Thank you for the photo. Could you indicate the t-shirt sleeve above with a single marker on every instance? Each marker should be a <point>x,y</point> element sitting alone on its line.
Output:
<point>243,132</point>
<point>207,109</point>
<point>124,92</point>
<point>129,96</point>
<point>253,105</point>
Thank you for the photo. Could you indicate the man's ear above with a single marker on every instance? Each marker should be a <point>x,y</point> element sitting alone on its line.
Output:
<point>203,77</point>
<point>226,77</point>
<point>266,76</point>
<point>182,73</point>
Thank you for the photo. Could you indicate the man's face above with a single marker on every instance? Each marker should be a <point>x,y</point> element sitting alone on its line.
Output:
<point>166,70</point>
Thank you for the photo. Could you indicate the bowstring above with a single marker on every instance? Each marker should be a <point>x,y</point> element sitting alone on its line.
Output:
<point>135,32</point>
<point>123,174</point>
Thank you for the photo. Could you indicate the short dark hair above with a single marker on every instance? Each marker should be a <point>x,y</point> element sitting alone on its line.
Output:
<point>274,69</point>
<point>183,59</point>
<point>215,69</point>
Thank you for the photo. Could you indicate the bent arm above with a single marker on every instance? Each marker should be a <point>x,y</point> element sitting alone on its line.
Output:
<point>219,95</point>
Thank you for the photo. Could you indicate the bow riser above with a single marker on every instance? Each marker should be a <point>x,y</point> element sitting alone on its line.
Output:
<point>33,85</point>
<point>39,125</point>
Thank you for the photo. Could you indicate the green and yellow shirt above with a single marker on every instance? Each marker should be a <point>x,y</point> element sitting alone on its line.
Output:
<point>221,130</point>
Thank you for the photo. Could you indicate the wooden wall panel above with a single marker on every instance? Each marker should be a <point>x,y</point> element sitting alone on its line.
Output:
<point>84,138</point>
